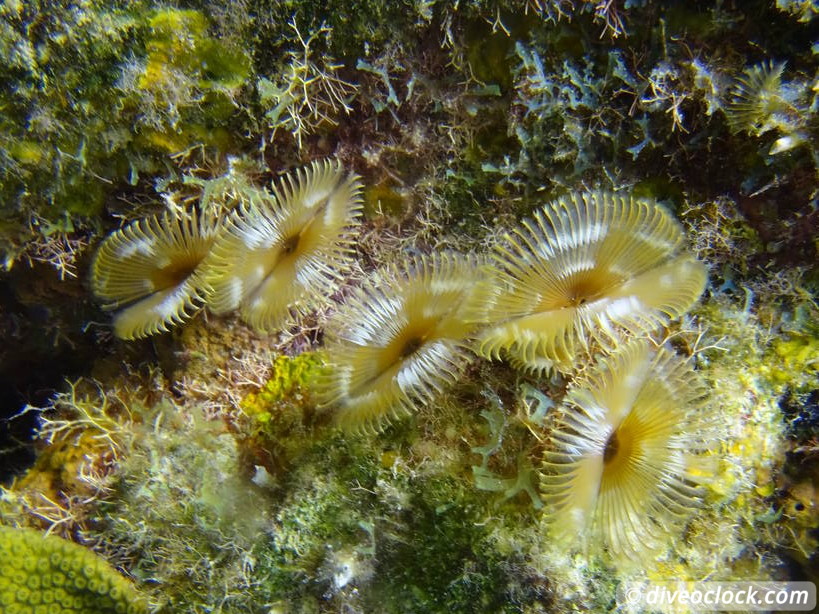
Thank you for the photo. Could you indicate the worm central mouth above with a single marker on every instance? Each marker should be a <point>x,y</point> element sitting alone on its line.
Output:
<point>611,449</point>
<point>410,347</point>
<point>290,245</point>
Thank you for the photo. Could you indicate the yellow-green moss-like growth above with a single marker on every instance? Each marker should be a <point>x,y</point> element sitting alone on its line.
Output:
<point>288,385</point>
<point>49,575</point>
<point>283,412</point>
<point>189,82</point>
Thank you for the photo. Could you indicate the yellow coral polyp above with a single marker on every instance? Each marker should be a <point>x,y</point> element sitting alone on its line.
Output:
<point>588,266</point>
<point>86,584</point>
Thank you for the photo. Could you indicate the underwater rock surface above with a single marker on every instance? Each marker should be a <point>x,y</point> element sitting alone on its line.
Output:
<point>406,307</point>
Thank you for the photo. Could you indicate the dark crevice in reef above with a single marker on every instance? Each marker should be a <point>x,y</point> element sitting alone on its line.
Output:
<point>43,344</point>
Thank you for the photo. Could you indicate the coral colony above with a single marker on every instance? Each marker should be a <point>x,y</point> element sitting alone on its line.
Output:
<point>406,307</point>
<point>50,574</point>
